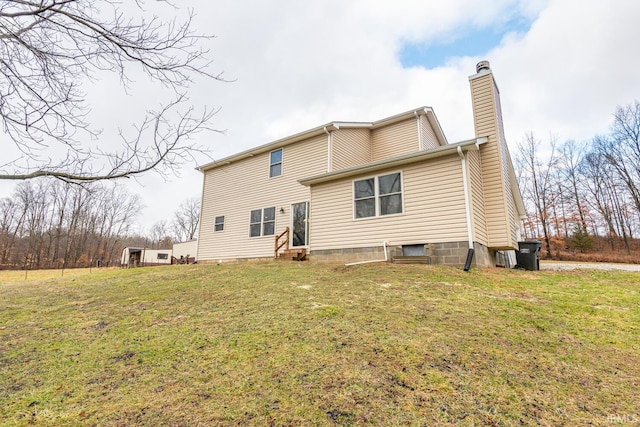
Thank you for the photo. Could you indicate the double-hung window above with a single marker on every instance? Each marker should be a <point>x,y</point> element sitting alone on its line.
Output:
<point>365,197</point>
<point>218,223</point>
<point>390,194</point>
<point>275,163</point>
<point>262,222</point>
<point>377,196</point>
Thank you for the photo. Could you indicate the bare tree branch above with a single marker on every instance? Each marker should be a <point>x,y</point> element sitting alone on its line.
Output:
<point>186,219</point>
<point>48,48</point>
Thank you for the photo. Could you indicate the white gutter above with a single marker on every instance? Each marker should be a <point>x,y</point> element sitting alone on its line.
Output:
<point>386,257</point>
<point>329,150</point>
<point>308,134</point>
<point>463,159</point>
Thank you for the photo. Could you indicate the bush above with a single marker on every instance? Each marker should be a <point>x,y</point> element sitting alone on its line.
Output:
<point>581,240</point>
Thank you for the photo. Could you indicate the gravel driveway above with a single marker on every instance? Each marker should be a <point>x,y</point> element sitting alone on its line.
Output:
<point>562,265</point>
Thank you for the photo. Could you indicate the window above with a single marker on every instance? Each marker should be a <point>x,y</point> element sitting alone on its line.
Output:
<point>218,223</point>
<point>378,196</point>
<point>275,163</point>
<point>390,194</point>
<point>262,222</point>
<point>365,198</point>
<point>163,256</point>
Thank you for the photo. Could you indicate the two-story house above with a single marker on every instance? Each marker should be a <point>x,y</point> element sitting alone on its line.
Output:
<point>353,191</point>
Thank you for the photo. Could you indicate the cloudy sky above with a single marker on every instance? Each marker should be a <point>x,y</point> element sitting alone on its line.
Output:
<point>562,67</point>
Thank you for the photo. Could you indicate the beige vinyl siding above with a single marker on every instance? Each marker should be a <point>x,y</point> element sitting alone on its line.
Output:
<point>506,163</point>
<point>350,147</point>
<point>234,190</point>
<point>486,124</point>
<point>394,140</point>
<point>514,226</point>
<point>429,138</point>
<point>434,209</point>
<point>474,168</point>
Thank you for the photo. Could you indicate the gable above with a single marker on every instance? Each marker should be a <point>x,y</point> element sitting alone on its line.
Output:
<point>395,139</point>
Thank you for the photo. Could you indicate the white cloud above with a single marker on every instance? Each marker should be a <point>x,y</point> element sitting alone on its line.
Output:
<point>298,65</point>
<point>567,75</point>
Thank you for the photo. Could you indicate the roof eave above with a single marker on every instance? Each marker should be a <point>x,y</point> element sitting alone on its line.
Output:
<point>267,147</point>
<point>428,111</point>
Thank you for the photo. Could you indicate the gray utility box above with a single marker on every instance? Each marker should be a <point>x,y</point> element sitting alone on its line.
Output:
<point>528,255</point>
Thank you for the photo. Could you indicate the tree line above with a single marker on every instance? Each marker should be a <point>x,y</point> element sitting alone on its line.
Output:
<point>576,191</point>
<point>55,224</point>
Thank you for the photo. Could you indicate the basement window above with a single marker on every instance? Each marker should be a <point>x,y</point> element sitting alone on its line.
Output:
<point>378,196</point>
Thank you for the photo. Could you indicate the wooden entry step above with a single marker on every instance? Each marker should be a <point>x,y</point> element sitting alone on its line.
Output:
<point>293,255</point>
<point>412,260</point>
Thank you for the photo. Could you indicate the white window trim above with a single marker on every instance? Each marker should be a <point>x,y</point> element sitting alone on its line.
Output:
<point>376,196</point>
<point>275,217</point>
<point>281,163</point>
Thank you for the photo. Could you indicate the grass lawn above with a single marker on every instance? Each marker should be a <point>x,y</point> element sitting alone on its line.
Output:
<point>319,344</point>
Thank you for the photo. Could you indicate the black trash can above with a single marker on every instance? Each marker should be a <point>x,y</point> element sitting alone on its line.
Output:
<point>528,255</point>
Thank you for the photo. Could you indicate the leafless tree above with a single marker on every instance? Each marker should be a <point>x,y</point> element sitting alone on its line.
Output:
<point>585,189</point>
<point>186,219</point>
<point>160,235</point>
<point>608,195</point>
<point>622,149</point>
<point>539,175</point>
<point>50,49</point>
<point>12,216</point>
<point>570,159</point>
<point>598,178</point>
<point>117,213</point>
<point>57,224</point>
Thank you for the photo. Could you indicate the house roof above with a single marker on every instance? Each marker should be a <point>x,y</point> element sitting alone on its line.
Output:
<point>467,145</point>
<point>426,111</point>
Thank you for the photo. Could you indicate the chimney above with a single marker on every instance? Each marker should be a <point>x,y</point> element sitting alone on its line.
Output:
<point>487,117</point>
<point>485,98</point>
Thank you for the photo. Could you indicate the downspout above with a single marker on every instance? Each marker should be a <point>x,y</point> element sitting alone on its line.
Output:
<point>329,149</point>
<point>329,169</point>
<point>419,126</point>
<point>465,184</point>
<point>386,257</point>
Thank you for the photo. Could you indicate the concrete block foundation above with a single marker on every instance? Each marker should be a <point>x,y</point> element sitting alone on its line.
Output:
<point>448,253</point>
